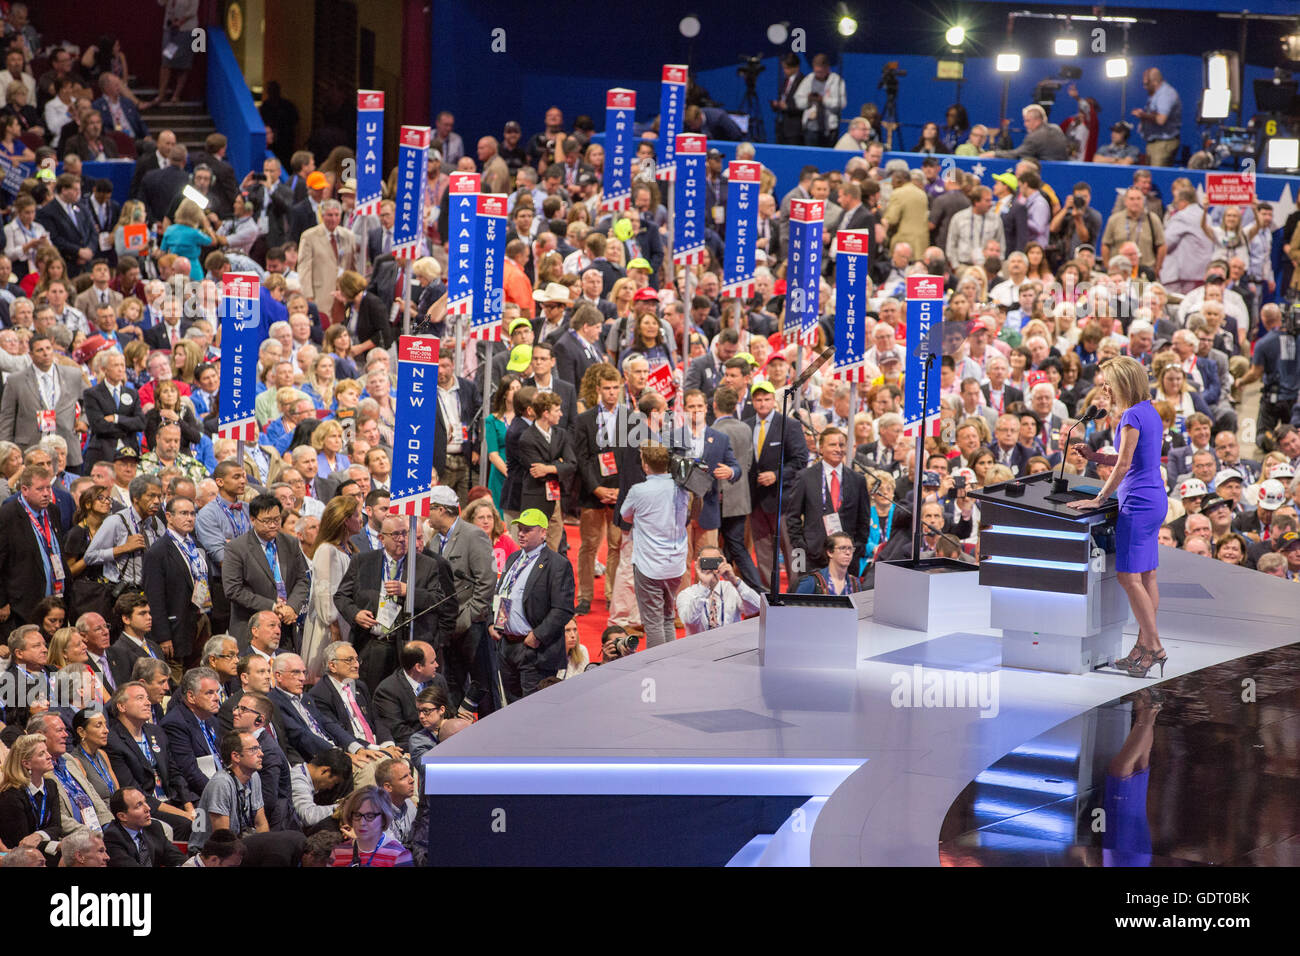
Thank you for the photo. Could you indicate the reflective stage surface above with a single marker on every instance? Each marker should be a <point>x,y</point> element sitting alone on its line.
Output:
<point>1203,769</point>
<point>697,732</point>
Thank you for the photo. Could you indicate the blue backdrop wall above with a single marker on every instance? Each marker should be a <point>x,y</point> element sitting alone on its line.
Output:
<point>572,55</point>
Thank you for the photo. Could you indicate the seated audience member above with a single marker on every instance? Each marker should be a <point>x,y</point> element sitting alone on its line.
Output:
<point>835,577</point>
<point>221,848</point>
<point>367,814</point>
<point>134,838</point>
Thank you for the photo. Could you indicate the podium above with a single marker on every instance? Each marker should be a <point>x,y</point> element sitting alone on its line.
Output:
<point>1051,571</point>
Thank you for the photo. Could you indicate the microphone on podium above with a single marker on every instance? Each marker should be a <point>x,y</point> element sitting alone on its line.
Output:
<point>1060,484</point>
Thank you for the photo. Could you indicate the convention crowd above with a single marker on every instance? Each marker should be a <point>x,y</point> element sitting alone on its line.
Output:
<point>209,660</point>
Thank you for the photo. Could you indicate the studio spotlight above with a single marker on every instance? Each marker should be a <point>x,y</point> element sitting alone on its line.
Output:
<point>1066,46</point>
<point>689,27</point>
<point>847,26</point>
<point>1008,63</point>
<point>778,33</point>
<point>1282,153</point>
<point>1116,67</point>
<point>1218,98</point>
<point>955,35</point>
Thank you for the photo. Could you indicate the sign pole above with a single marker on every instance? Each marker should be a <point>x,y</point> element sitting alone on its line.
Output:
<point>920,403</point>
<point>483,463</point>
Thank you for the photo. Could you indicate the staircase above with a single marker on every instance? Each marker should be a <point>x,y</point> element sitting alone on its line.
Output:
<point>188,119</point>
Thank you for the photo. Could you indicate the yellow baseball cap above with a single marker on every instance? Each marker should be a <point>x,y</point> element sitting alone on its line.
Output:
<point>763,386</point>
<point>532,517</point>
<point>517,323</point>
<point>748,357</point>
<point>521,356</point>
<point>640,263</point>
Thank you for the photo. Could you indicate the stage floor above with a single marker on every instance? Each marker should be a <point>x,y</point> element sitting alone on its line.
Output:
<point>875,777</point>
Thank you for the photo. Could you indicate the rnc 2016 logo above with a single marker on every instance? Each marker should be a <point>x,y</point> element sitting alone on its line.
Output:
<point>744,171</point>
<point>415,349</point>
<point>674,74</point>
<point>416,136</point>
<point>807,210</point>
<point>924,287</point>
<point>691,143</point>
<point>463,183</point>
<point>491,204</point>
<point>620,99</point>
<point>370,100</point>
<point>851,242</point>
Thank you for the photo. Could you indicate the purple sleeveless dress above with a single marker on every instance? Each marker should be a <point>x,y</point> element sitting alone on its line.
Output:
<point>1142,500</point>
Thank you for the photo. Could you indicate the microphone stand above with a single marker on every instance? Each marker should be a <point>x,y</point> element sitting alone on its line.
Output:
<point>1061,484</point>
<point>794,388</point>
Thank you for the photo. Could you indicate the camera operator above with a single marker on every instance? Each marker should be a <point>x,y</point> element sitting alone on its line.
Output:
<point>718,597</point>
<point>821,96</point>
<point>1275,362</point>
<point>1076,223</point>
<point>789,121</point>
<point>616,642</point>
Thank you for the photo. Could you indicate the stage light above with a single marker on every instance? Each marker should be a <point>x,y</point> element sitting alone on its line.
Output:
<point>1283,154</point>
<point>689,27</point>
<point>1117,68</point>
<point>1291,46</point>
<point>1216,104</point>
<point>1066,46</point>
<point>955,35</point>
<point>778,33</point>
<point>1216,71</point>
<point>847,26</point>
<point>1008,63</point>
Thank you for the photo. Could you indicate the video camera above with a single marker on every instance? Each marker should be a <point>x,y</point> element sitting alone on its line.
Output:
<point>750,68</point>
<point>889,75</point>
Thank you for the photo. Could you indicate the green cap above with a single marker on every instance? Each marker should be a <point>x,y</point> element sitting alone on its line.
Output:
<point>763,386</point>
<point>532,517</point>
<point>640,263</point>
<point>1009,180</point>
<point>518,322</point>
<point>521,356</point>
<point>748,357</point>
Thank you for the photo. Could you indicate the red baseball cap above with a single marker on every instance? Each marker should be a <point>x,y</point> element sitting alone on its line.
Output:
<point>646,295</point>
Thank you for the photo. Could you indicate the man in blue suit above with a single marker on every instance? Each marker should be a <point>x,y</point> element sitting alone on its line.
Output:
<point>191,726</point>
<point>119,112</point>
<point>713,448</point>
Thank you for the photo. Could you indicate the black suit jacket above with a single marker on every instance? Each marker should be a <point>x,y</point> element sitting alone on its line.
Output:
<point>329,701</point>
<point>587,449</point>
<point>18,817</point>
<point>186,744</point>
<point>159,188</point>
<point>359,590</point>
<point>104,435</point>
<point>132,770</point>
<point>226,721</point>
<point>123,852</point>
<point>169,588</point>
<point>22,567</point>
<point>122,655</point>
<point>535,449</point>
<point>548,605</point>
<point>572,359</point>
<point>301,737</point>
<point>301,218</point>
<point>568,397</point>
<point>225,185</point>
<point>1010,395</point>
<point>768,458</point>
<point>789,122</point>
<point>156,336</point>
<point>145,165</point>
<point>394,708</point>
<point>807,509</point>
<point>704,373</point>
<point>67,236</point>
<point>1020,456</point>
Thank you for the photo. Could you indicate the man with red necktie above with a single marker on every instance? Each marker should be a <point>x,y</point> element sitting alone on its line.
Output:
<point>828,497</point>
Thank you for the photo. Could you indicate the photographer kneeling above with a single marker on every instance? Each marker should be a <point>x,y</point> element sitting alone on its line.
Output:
<point>718,597</point>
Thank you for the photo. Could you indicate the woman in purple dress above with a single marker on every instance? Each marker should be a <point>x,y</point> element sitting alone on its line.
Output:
<point>1142,504</point>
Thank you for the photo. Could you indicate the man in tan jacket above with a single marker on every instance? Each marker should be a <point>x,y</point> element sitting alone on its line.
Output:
<point>324,252</point>
<point>907,216</point>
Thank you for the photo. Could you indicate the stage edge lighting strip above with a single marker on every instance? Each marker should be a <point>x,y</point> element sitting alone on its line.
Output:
<point>739,776</point>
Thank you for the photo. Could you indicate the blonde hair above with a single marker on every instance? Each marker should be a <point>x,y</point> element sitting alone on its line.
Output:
<point>15,776</point>
<point>58,650</point>
<point>324,430</point>
<point>1127,379</point>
